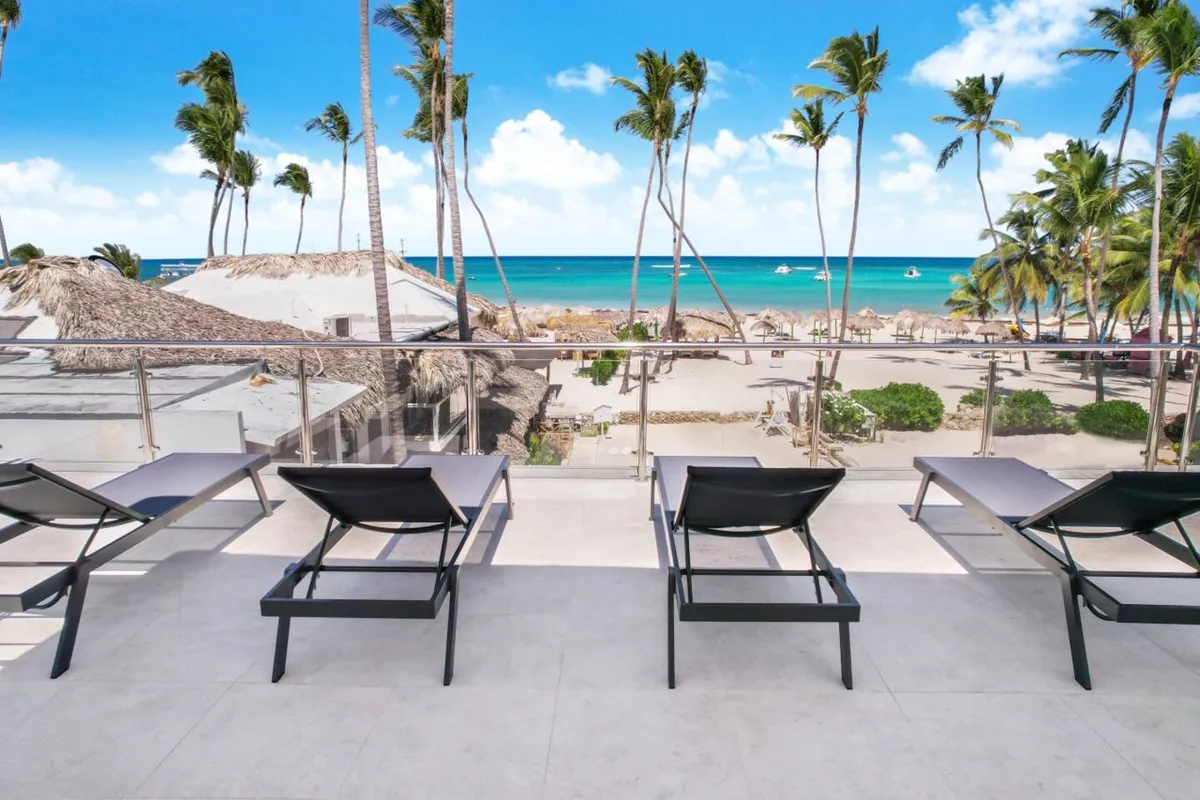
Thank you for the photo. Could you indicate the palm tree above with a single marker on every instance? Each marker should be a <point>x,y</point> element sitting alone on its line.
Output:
<point>1172,35</point>
<point>422,23</point>
<point>462,95</point>
<point>246,171</point>
<point>975,103</point>
<point>973,295</point>
<point>119,256</point>
<point>27,252</point>
<point>295,177</point>
<point>1122,27</point>
<point>1026,251</point>
<point>856,65</point>
<point>335,126</point>
<point>10,18</point>
<point>813,131</point>
<point>654,111</point>
<point>456,245</point>
<point>393,391</point>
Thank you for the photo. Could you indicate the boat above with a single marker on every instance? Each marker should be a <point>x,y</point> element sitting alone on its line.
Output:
<point>912,272</point>
<point>783,269</point>
<point>174,272</point>
<point>821,276</point>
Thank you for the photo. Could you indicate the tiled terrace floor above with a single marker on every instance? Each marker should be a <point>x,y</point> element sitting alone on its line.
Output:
<point>963,681</point>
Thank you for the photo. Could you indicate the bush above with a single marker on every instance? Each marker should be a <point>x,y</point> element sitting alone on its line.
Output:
<point>640,333</point>
<point>1116,419</point>
<point>832,385</point>
<point>542,452</point>
<point>604,367</point>
<point>903,406</point>
<point>841,416</point>
<point>972,398</point>
<point>1029,411</point>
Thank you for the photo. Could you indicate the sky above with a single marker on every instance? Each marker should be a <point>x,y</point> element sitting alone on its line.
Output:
<point>89,154</point>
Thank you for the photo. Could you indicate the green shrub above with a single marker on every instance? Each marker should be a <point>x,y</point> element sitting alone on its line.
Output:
<point>972,398</point>
<point>1116,419</point>
<point>604,367</point>
<point>841,416</point>
<point>903,406</point>
<point>1193,455</point>
<point>542,452</point>
<point>640,333</point>
<point>1028,411</point>
<point>832,385</point>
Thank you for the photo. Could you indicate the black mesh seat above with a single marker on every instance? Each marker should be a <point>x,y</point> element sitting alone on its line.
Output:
<point>144,501</point>
<point>427,494</point>
<point>1035,510</point>
<point>738,498</point>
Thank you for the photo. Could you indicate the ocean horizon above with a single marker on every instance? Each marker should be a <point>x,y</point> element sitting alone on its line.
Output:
<point>749,282</point>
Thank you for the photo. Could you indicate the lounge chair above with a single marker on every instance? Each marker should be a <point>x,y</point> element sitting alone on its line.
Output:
<point>426,494</point>
<point>737,497</point>
<point>778,423</point>
<point>149,499</point>
<point>1026,505</point>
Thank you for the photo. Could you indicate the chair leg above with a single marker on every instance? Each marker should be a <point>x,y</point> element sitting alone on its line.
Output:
<point>452,624</point>
<point>256,479</point>
<point>66,639</point>
<point>847,668</point>
<point>670,630</point>
<point>281,646</point>
<point>1079,660</point>
<point>653,478</point>
<point>920,501</point>
<point>508,496</point>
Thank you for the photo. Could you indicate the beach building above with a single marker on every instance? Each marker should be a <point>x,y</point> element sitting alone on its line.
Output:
<point>80,404</point>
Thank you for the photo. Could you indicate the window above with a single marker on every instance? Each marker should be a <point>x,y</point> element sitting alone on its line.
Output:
<point>341,326</point>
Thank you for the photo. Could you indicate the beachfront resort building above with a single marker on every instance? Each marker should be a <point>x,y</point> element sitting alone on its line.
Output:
<point>81,404</point>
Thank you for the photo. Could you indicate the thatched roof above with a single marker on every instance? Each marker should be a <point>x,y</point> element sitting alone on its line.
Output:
<point>993,328</point>
<point>578,321</point>
<point>954,326</point>
<point>864,323</point>
<point>353,262</point>
<point>572,334</point>
<point>507,409</point>
<point>438,372</point>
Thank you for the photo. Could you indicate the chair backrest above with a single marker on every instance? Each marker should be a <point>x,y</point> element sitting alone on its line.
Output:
<point>721,499</point>
<point>376,494</point>
<point>1122,502</point>
<point>37,496</point>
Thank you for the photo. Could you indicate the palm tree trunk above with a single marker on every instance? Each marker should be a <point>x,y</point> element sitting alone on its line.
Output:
<point>1037,322</point>
<point>4,258</point>
<point>342,203</point>
<point>393,397</point>
<point>1102,265</point>
<point>228,218</point>
<point>837,357</point>
<point>987,213</point>
<point>676,256</point>
<point>1156,221</point>
<point>1089,301</point>
<point>508,295</point>
<point>3,39</point>
<point>824,251</point>
<point>637,260</point>
<point>212,219</point>
<point>438,184</point>
<point>246,223</point>
<point>456,245</point>
<point>300,235</point>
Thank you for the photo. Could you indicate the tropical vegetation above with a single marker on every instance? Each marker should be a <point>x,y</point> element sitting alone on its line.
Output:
<point>334,124</point>
<point>24,253</point>
<point>10,18</point>
<point>120,257</point>
<point>295,178</point>
<point>902,406</point>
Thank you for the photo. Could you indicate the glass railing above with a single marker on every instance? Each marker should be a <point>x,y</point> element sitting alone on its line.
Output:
<point>869,407</point>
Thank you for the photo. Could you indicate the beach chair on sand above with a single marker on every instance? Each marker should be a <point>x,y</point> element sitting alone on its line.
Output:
<point>140,503</point>
<point>1036,512</point>
<point>778,423</point>
<point>738,498</point>
<point>441,494</point>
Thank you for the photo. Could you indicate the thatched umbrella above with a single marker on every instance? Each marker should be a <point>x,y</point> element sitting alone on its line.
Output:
<point>578,321</point>
<point>763,327</point>
<point>867,312</point>
<point>350,263</point>
<point>993,329</point>
<point>955,327</point>
<point>578,334</point>
<point>864,325</point>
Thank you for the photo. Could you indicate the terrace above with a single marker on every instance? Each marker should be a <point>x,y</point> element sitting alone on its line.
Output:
<point>963,683</point>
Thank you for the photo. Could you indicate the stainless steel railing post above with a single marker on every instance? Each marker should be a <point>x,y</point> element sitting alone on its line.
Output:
<point>145,413</point>
<point>643,417</point>
<point>814,447</point>
<point>1158,398</point>
<point>306,432</point>
<point>472,411</point>
<point>989,410</point>
<point>1189,420</point>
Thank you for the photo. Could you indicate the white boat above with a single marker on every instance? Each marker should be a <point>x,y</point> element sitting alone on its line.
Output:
<point>912,272</point>
<point>783,269</point>
<point>174,272</point>
<point>821,276</point>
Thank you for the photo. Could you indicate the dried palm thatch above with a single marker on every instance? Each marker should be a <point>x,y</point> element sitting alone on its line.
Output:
<point>578,321</point>
<point>655,316</point>
<point>571,334</point>
<point>908,319</point>
<point>352,263</point>
<point>506,410</point>
<point>863,323</point>
<point>436,373</point>
<point>995,328</point>
<point>867,312</point>
<point>955,327</point>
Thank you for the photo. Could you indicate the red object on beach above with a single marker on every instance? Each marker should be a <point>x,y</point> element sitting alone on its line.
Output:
<point>1139,360</point>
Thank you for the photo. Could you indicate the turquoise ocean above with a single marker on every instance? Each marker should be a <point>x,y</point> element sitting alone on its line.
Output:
<point>750,282</point>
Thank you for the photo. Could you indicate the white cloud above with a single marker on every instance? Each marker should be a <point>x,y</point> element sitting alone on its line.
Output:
<point>533,151</point>
<point>1021,38</point>
<point>1185,106</point>
<point>147,200</point>
<point>918,176</point>
<point>43,181</point>
<point>1013,170</point>
<point>907,146</point>
<point>590,77</point>
<point>254,141</point>
<point>180,160</point>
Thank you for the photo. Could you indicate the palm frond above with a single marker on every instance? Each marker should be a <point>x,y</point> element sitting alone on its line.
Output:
<point>1116,105</point>
<point>948,152</point>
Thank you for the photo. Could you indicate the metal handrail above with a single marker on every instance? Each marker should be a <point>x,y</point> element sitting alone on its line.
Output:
<point>635,347</point>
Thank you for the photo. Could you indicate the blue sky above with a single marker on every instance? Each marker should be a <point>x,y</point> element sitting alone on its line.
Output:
<point>92,156</point>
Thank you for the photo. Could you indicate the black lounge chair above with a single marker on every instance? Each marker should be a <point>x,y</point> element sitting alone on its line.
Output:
<point>426,494</point>
<point>1025,503</point>
<point>737,497</point>
<point>149,498</point>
